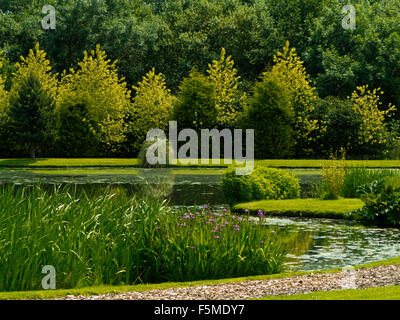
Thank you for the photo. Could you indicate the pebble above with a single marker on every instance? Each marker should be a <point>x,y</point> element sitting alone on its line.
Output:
<point>361,278</point>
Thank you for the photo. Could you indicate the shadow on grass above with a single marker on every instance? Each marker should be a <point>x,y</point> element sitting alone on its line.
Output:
<point>17,162</point>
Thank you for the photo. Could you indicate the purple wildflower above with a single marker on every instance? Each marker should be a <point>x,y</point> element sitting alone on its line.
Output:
<point>260,213</point>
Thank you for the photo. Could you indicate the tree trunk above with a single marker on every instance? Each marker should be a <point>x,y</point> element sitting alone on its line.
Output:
<point>33,153</point>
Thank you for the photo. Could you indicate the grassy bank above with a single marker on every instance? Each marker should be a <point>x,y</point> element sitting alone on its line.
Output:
<point>21,163</point>
<point>97,290</point>
<point>312,208</point>
<point>105,162</point>
<point>380,293</point>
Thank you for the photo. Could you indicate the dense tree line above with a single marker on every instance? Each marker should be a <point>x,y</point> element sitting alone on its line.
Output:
<point>191,44</point>
<point>175,35</point>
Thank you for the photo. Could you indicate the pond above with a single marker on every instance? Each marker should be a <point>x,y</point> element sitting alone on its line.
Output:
<point>182,186</point>
<point>323,244</point>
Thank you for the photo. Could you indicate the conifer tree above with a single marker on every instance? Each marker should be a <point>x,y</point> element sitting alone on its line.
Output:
<point>151,109</point>
<point>271,115</point>
<point>195,107</point>
<point>97,82</point>
<point>288,67</point>
<point>29,112</point>
<point>4,95</point>
<point>223,76</point>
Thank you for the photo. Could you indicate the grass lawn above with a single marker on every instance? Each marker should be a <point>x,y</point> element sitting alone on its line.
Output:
<point>120,171</point>
<point>105,162</point>
<point>380,293</point>
<point>303,207</point>
<point>68,162</point>
<point>97,290</point>
<point>299,163</point>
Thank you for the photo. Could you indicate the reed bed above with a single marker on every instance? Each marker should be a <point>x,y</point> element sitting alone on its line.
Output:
<point>115,239</point>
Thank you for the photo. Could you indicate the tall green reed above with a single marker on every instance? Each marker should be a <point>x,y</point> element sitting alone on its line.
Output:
<point>356,177</point>
<point>115,239</point>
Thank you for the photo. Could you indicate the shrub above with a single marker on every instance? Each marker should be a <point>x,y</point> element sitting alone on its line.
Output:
<point>262,184</point>
<point>382,202</point>
<point>271,116</point>
<point>195,107</point>
<point>367,103</point>
<point>286,184</point>
<point>356,177</point>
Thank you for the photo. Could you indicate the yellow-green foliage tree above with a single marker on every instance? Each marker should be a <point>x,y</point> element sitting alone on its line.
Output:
<point>4,99</point>
<point>288,67</point>
<point>96,83</point>
<point>36,63</point>
<point>151,108</point>
<point>4,96</point>
<point>367,104</point>
<point>222,75</point>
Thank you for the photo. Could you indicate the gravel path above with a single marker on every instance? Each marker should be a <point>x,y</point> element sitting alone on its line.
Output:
<point>361,278</point>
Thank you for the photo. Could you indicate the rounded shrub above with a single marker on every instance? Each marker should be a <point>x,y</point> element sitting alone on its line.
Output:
<point>262,184</point>
<point>286,185</point>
